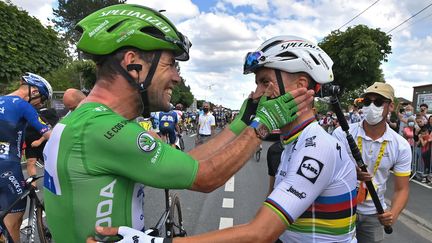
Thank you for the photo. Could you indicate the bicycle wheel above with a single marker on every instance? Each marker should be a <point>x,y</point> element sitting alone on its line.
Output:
<point>36,230</point>
<point>181,142</point>
<point>174,223</point>
<point>258,155</point>
<point>42,228</point>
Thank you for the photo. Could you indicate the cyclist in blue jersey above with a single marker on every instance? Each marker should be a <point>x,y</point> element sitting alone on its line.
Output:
<point>168,125</point>
<point>16,111</point>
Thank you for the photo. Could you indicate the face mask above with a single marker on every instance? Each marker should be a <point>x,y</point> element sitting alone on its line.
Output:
<point>206,110</point>
<point>409,113</point>
<point>410,124</point>
<point>373,114</point>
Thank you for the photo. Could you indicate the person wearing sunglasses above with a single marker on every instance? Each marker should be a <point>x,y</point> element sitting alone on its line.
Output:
<point>17,110</point>
<point>382,149</point>
<point>315,184</point>
<point>100,159</point>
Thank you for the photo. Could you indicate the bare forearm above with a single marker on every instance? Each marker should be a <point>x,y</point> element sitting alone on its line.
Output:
<point>46,135</point>
<point>215,170</point>
<point>399,201</point>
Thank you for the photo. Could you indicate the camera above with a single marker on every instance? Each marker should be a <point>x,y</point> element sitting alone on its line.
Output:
<point>328,90</point>
<point>401,110</point>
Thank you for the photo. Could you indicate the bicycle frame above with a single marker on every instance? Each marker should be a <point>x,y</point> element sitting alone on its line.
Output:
<point>28,192</point>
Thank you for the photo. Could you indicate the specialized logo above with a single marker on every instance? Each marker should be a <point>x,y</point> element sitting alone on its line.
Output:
<point>310,142</point>
<point>135,239</point>
<point>146,142</point>
<point>6,174</point>
<point>310,168</point>
<point>296,193</point>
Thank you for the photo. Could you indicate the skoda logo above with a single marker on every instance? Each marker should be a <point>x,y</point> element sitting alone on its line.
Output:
<point>146,142</point>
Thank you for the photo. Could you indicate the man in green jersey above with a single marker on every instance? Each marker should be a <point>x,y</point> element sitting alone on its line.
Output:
<point>98,159</point>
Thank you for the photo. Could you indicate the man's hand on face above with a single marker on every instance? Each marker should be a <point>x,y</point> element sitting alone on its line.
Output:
<point>278,112</point>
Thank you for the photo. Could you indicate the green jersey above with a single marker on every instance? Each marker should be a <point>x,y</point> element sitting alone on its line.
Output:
<point>96,166</point>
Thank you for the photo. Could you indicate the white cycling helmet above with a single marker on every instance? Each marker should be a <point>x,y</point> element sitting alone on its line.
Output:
<point>291,54</point>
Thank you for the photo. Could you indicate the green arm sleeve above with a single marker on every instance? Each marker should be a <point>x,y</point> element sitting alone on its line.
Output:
<point>117,146</point>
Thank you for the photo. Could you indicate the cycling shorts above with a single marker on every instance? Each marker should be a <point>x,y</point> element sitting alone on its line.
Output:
<point>12,186</point>
<point>171,134</point>
<point>274,154</point>
<point>35,152</point>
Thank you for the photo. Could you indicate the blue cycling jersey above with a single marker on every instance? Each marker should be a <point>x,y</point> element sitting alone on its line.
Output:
<point>167,120</point>
<point>15,114</point>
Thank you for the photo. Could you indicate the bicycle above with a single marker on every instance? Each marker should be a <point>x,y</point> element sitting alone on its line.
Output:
<point>170,224</point>
<point>36,228</point>
<point>258,154</point>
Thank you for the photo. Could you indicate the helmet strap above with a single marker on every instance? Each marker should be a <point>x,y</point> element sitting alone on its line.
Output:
<point>280,81</point>
<point>29,93</point>
<point>142,88</point>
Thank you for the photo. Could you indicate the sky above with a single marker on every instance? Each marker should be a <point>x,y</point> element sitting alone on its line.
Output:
<point>223,31</point>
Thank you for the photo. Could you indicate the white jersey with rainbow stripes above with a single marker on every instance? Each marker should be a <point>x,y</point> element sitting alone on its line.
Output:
<point>315,188</point>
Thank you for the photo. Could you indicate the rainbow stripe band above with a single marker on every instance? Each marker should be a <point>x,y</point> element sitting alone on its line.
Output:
<point>284,215</point>
<point>296,131</point>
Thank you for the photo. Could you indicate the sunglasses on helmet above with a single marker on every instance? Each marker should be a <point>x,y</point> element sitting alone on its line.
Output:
<point>183,43</point>
<point>252,61</point>
<point>378,101</point>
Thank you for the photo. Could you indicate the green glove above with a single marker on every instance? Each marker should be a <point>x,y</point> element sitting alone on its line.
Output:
<point>244,118</point>
<point>275,113</point>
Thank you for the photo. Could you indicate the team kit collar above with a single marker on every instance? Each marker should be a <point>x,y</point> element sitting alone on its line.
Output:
<point>385,137</point>
<point>292,135</point>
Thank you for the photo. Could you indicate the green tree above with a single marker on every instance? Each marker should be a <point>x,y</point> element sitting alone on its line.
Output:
<point>357,54</point>
<point>182,94</point>
<point>26,46</point>
<point>70,12</point>
<point>68,76</point>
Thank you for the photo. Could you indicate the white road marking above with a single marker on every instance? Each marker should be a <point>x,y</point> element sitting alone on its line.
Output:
<point>229,185</point>
<point>193,135</point>
<point>228,203</point>
<point>225,223</point>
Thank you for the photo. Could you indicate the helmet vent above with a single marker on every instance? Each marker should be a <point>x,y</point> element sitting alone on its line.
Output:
<point>112,28</point>
<point>288,54</point>
<point>315,60</point>
<point>270,45</point>
<point>155,32</point>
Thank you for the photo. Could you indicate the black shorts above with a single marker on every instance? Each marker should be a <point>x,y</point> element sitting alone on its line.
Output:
<point>36,152</point>
<point>274,154</point>
<point>170,132</point>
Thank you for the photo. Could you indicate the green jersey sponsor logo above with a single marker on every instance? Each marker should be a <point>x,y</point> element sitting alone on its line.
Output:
<point>146,142</point>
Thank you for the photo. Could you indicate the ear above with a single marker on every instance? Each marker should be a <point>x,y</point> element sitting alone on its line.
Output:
<point>302,82</point>
<point>391,107</point>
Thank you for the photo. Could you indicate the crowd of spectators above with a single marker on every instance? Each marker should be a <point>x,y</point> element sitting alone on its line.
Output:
<point>415,127</point>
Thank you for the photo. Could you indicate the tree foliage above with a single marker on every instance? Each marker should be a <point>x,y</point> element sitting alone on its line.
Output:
<point>357,54</point>
<point>26,45</point>
<point>182,94</point>
<point>70,12</point>
<point>69,75</point>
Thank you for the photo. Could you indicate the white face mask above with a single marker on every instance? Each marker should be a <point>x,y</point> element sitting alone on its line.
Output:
<point>373,114</point>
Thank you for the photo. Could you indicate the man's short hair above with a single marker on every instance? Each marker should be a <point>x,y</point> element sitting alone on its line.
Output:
<point>107,64</point>
<point>425,105</point>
